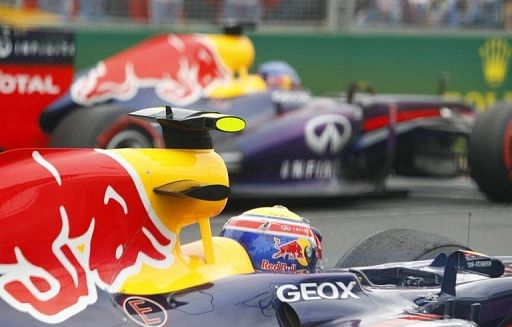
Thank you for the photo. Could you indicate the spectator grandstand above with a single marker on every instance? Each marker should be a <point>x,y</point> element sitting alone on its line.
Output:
<point>329,15</point>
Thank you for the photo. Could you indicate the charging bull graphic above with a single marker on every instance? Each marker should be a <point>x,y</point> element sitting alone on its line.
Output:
<point>180,68</point>
<point>79,224</point>
<point>292,250</point>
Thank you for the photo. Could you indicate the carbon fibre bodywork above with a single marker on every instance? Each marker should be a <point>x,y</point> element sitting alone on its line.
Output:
<point>334,297</point>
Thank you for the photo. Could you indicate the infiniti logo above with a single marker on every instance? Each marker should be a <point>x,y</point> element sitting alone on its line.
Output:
<point>5,46</point>
<point>327,133</point>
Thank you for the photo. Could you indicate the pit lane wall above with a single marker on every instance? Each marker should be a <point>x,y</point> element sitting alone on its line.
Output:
<point>473,65</point>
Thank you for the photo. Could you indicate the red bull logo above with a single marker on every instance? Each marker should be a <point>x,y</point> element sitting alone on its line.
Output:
<point>278,266</point>
<point>63,234</point>
<point>180,69</point>
<point>291,250</point>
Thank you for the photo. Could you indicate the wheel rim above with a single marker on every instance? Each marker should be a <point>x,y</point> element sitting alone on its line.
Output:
<point>129,139</point>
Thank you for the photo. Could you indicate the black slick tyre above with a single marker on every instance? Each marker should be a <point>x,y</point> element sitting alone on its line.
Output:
<point>104,126</point>
<point>490,153</point>
<point>397,245</point>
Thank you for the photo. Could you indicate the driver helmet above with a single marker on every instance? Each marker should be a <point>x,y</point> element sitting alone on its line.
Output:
<point>276,239</point>
<point>279,75</point>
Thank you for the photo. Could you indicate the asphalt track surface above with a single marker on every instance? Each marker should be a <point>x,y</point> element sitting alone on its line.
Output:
<point>453,208</point>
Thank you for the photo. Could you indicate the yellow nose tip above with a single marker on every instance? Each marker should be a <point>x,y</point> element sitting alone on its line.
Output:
<point>230,124</point>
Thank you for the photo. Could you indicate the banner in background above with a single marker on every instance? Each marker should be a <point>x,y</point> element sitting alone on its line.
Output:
<point>36,67</point>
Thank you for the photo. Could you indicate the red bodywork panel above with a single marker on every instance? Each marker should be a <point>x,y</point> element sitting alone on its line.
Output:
<point>80,221</point>
<point>178,67</point>
<point>25,91</point>
<point>36,68</point>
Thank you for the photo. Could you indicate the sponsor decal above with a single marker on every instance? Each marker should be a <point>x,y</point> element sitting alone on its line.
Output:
<point>41,48</point>
<point>36,46</point>
<point>316,291</point>
<point>292,229</point>
<point>5,46</point>
<point>290,250</point>
<point>279,266</point>
<point>299,250</point>
<point>84,236</point>
<point>477,260</point>
<point>145,312</point>
<point>295,97</point>
<point>272,226</point>
<point>481,100</point>
<point>327,134</point>
<point>180,69</point>
<point>495,54</point>
<point>479,264</point>
<point>27,84</point>
<point>308,169</point>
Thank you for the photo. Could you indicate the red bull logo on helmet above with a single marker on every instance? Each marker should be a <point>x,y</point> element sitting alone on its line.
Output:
<point>298,250</point>
<point>180,69</point>
<point>290,250</point>
<point>63,237</point>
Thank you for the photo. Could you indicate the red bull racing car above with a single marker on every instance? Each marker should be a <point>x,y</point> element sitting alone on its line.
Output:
<point>90,237</point>
<point>295,144</point>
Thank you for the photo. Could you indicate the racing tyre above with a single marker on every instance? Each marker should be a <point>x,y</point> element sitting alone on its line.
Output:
<point>104,126</point>
<point>397,245</point>
<point>507,322</point>
<point>490,153</point>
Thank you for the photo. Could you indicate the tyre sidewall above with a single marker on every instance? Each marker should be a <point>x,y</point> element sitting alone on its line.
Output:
<point>487,154</point>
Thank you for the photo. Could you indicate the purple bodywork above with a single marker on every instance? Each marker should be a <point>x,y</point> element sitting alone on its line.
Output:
<point>295,143</point>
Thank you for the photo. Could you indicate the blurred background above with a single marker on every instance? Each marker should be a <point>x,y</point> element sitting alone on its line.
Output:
<point>455,47</point>
<point>298,15</point>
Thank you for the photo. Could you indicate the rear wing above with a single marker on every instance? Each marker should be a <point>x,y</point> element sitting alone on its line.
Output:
<point>469,261</point>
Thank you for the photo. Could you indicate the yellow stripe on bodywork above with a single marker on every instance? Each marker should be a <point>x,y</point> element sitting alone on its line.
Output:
<point>191,266</point>
<point>275,211</point>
